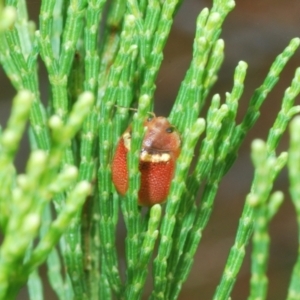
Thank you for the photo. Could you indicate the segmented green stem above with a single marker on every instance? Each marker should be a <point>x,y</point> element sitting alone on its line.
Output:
<point>260,189</point>
<point>107,207</point>
<point>196,84</point>
<point>177,187</point>
<point>293,168</point>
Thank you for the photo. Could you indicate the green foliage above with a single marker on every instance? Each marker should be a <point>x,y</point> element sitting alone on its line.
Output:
<point>64,210</point>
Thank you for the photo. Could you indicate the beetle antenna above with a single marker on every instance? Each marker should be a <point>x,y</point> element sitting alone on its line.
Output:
<point>152,114</point>
<point>129,108</point>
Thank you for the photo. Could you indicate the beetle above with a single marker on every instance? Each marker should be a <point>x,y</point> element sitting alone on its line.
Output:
<point>160,149</point>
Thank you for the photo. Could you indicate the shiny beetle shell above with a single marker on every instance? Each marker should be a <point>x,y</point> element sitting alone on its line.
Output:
<point>160,150</point>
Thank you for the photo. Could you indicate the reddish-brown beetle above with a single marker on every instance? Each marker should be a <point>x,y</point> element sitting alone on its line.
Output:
<point>160,150</point>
